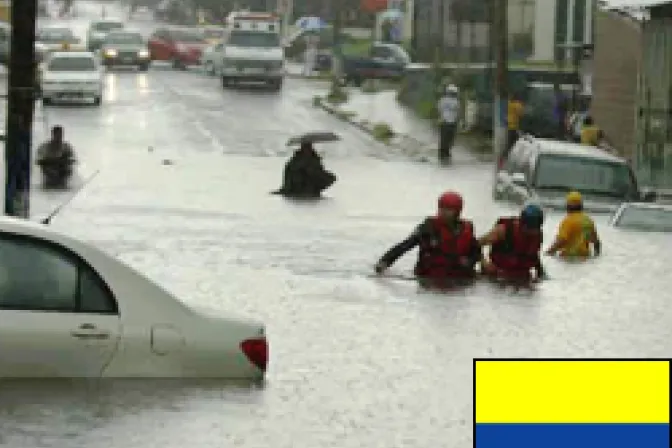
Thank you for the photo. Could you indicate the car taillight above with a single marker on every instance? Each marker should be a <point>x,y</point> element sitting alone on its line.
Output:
<point>256,351</point>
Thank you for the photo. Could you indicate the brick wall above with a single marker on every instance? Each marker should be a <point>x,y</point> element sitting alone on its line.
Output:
<point>616,63</point>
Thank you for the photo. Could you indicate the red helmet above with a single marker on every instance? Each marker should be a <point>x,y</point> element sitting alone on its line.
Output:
<point>451,200</point>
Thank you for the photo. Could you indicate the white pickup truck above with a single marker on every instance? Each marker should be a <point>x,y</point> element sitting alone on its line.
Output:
<point>251,51</point>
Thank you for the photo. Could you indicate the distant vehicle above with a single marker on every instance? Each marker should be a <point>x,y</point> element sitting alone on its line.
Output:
<point>295,46</point>
<point>252,51</point>
<point>546,170</point>
<point>125,48</point>
<point>178,45</point>
<point>58,39</point>
<point>70,310</point>
<point>73,75</point>
<point>645,217</point>
<point>385,61</point>
<point>98,30</point>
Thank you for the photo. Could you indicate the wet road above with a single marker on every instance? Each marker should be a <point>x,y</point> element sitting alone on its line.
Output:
<point>355,362</point>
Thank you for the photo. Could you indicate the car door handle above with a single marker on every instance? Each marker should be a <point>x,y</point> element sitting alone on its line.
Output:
<point>89,331</point>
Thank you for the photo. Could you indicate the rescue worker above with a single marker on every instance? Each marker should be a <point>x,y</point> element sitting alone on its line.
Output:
<point>590,133</point>
<point>449,113</point>
<point>577,231</point>
<point>305,175</point>
<point>448,249</point>
<point>56,158</point>
<point>515,243</point>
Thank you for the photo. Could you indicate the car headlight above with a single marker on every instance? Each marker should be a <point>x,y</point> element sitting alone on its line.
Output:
<point>143,53</point>
<point>110,53</point>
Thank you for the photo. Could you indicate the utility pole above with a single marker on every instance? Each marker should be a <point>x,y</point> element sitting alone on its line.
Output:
<point>500,39</point>
<point>21,91</point>
<point>337,59</point>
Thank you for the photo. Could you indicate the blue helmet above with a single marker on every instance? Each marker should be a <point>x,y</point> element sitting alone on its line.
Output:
<point>532,216</point>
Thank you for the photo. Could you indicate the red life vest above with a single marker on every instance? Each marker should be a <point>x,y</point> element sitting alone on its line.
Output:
<point>518,252</point>
<point>441,249</point>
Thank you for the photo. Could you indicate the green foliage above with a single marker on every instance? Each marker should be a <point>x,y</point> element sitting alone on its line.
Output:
<point>427,110</point>
<point>337,96</point>
<point>317,101</point>
<point>382,132</point>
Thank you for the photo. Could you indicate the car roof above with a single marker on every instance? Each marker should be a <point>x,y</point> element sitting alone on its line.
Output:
<point>76,54</point>
<point>18,226</point>
<point>648,205</point>
<point>124,31</point>
<point>59,28</point>
<point>98,22</point>
<point>548,146</point>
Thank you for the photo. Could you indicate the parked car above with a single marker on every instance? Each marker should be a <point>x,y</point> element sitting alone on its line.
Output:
<point>644,217</point>
<point>385,61</point>
<point>545,170</point>
<point>295,45</point>
<point>98,30</point>
<point>125,48</point>
<point>58,39</point>
<point>70,310</point>
<point>72,75</point>
<point>178,45</point>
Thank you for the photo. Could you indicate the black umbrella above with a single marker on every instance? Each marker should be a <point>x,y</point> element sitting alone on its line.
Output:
<point>314,137</point>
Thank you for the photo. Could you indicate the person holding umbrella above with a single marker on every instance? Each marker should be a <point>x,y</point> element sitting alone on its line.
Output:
<point>304,175</point>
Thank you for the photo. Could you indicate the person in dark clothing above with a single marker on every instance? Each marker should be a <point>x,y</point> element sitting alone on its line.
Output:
<point>305,175</point>
<point>448,248</point>
<point>56,157</point>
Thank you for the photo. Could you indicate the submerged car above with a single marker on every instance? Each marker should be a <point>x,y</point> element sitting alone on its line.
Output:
<point>73,75</point>
<point>644,217</point>
<point>545,170</point>
<point>125,48</point>
<point>99,30</point>
<point>70,310</point>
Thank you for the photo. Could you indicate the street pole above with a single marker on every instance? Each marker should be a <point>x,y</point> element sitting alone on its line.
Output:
<point>337,59</point>
<point>20,108</point>
<point>501,42</point>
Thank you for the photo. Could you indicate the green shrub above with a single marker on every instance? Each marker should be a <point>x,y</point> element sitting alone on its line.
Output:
<point>337,96</point>
<point>382,132</point>
<point>317,101</point>
<point>427,110</point>
<point>345,114</point>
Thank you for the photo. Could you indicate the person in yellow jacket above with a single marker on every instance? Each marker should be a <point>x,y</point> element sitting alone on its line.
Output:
<point>590,133</point>
<point>577,231</point>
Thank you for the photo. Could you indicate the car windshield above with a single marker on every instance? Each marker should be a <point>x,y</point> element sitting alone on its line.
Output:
<point>107,26</point>
<point>587,175</point>
<point>213,33</point>
<point>645,218</point>
<point>254,39</point>
<point>71,64</point>
<point>55,35</point>
<point>124,38</point>
<point>186,36</point>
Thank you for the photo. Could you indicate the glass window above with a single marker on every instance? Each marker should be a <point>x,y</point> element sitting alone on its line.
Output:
<point>254,39</point>
<point>55,35</point>
<point>648,219</point>
<point>72,64</point>
<point>585,175</point>
<point>35,276</point>
<point>124,39</point>
<point>95,296</point>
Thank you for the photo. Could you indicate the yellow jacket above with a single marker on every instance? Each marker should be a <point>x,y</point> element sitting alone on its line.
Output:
<point>590,135</point>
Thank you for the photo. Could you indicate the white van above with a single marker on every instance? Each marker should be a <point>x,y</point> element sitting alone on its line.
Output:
<point>251,51</point>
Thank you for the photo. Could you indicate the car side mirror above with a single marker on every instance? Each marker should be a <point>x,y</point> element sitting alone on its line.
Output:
<point>649,195</point>
<point>519,179</point>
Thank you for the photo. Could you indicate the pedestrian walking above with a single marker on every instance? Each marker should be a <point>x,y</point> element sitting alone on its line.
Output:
<point>449,112</point>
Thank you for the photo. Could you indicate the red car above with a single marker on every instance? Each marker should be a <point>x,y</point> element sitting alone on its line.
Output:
<point>181,46</point>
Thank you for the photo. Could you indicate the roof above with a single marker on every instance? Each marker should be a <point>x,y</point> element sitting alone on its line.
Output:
<point>75,53</point>
<point>548,146</point>
<point>643,4</point>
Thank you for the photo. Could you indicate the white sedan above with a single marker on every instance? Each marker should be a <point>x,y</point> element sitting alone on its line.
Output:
<point>69,310</point>
<point>72,75</point>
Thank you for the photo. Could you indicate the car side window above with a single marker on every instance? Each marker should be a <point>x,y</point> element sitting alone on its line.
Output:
<point>36,277</point>
<point>39,276</point>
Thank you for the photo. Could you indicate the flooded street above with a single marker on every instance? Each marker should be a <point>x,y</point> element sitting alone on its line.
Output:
<point>355,361</point>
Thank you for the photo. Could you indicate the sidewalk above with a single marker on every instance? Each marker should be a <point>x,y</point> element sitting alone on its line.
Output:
<point>413,135</point>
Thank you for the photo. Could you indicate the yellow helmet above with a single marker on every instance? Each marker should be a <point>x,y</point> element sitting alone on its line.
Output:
<point>574,198</point>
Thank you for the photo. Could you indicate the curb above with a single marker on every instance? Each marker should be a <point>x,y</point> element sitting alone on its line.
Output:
<point>410,146</point>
